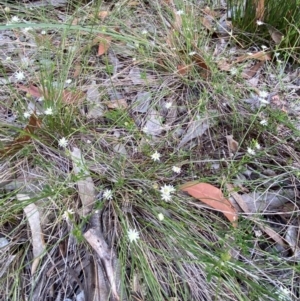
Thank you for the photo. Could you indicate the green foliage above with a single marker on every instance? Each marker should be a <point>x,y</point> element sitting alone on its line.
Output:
<point>279,15</point>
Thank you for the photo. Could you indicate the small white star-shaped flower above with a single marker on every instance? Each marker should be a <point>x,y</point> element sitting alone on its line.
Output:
<point>144,32</point>
<point>49,111</point>
<point>68,213</point>
<point>107,194</point>
<point>251,151</point>
<point>15,19</point>
<point>264,122</point>
<point>156,156</point>
<point>233,71</point>
<point>63,142</point>
<point>258,22</point>
<point>19,75</point>
<point>133,235</point>
<point>257,145</point>
<point>167,189</point>
<point>166,197</point>
<point>176,169</point>
<point>192,53</point>
<point>168,105</point>
<point>263,94</point>
<point>43,32</point>
<point>26,114</point>
<point>160,216</point>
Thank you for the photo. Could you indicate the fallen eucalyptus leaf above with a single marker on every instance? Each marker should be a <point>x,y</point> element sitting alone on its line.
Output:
<point>38,242</point>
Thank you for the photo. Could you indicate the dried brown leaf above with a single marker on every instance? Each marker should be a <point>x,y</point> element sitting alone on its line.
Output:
<point>103,42</point>
<point>260,55</point>
<point>207,22</point>
<point>260,9</point>
<point>31,90</point>
<point>232,144</point>
<point>24,138</point>
<point>184,69</point>
<point>250,72</point>
<point>117,104</point>
<point>213,197</point>
<point>224,66</point>
<point>103,14</point>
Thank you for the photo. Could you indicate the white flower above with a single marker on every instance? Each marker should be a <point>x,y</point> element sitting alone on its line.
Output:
<point>63,142</point>
<point>133,235</point>
<point>192,53</point>
<point>144,32</point>
<point>19,75</point>
<point>257,145</point>
<point>258,22</point>
<point>43,32</point>
<point>107,194</point>
<point>49,111</point>
<point>155,156</point>
<point>258,233</point>
<point>168,105</point>
<point>160,216</point>
<point>251,151</point>
<point>233,71</point>
<point>26,114</point>
<point>166,197</point>
<point>180,12</point>
<point>264,122</point>
<point>176,169</point>
<point>167,189</point>
<point>68,213</point>
<point>15,19</point>
<point>263,94</point>
<point>68,81</point>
